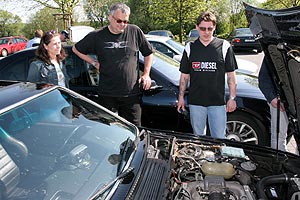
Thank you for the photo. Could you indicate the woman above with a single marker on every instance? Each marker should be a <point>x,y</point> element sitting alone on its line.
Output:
<point>48,66</point>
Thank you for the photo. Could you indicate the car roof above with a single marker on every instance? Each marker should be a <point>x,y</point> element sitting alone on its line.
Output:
<point>157,37</point>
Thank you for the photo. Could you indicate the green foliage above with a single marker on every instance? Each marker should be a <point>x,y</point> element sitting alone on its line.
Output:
<point>10,24</point>
<point>97,11</point>
<point>64,9</point>
<point>44,20</point>
<point>178,16</point>
<point>280,4</point>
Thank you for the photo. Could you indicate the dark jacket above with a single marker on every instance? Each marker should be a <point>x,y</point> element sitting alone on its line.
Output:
<point>39,71</point>
<point>266,83</point>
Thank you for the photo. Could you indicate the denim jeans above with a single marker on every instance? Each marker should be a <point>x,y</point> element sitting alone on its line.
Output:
<point>283,126</point>
<point>216,120</point>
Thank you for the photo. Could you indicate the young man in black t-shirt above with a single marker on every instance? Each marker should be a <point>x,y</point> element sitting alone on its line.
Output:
<point>204,64</point>
<point>117,47</point>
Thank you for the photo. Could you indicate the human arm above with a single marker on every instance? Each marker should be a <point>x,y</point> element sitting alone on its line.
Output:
<point>87,58</point>
<point>274,103</point>
<point>265,83</point>
<point>231,81</point>
<point>34,72</point>
<point>183,83</point>
<point>145,78</point>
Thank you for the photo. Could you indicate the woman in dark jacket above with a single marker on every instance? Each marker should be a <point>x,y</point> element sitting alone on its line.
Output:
<point>48,66</point>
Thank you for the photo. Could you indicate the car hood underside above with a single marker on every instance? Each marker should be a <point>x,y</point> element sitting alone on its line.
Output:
<point>279,34</point>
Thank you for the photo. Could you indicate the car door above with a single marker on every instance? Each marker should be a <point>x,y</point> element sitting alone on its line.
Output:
<point>83,76</point>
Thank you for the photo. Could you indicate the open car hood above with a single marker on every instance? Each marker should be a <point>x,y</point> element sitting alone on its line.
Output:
<point>279,34</point>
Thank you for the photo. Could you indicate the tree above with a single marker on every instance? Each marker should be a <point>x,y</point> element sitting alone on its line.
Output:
<point>43,20</point>
<point>64,9</point>
<point>97,11</point>
<point>177,16</point>
<point>10,24</point>
<point>280,4</point>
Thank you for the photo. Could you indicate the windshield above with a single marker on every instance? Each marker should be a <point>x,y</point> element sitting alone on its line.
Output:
<point>58,144</point>
<point>244,32</point>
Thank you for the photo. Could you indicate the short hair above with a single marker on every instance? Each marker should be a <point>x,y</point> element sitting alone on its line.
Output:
<point>65,33</point>
<point>38,33</point>
<point>119,6</point>
<point>207,16</point>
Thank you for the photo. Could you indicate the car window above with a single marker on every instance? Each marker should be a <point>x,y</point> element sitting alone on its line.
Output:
<point>13,41</point>
<point>3,41</point>
<point>194,33</point>
<point>176,45</point>
<point>80,72</point>
<point>15,70</point>
<point>244,32</point>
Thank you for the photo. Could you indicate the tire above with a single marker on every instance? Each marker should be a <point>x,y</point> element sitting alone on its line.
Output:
<point>244,127</point>
<point>4,52</point>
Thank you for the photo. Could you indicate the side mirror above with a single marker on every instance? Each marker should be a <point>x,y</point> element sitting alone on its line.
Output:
<point>177,57</point>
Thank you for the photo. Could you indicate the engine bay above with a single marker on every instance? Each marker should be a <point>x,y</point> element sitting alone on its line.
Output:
<point>205,170</point>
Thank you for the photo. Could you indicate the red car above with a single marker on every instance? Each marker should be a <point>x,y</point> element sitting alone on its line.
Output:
<point>12,44</point>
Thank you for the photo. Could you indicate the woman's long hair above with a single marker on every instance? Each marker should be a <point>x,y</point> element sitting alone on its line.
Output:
<point>42,53</point>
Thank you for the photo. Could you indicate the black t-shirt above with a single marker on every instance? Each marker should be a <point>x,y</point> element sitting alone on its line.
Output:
<point>207,66</point>
<point>118,58</point>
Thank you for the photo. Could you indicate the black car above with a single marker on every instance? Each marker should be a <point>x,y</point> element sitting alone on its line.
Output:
<point>243,39</point>
<point>249,123</point>
<point>57,144</point>
<point>279,35</point>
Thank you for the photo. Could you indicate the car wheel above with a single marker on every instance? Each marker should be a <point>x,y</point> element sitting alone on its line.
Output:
<point>4,52</point>
<point>244,127</point>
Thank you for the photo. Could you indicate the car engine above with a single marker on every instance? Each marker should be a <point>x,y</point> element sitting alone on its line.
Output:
<point>203,170</point>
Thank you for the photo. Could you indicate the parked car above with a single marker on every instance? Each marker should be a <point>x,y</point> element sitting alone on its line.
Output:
<point>167,46</point>
<point>12,44</point>
<point>57,144</point>
<point>192,36</point>
<point>174,50</point>
<point>243,39</point>
<point>249,123</point>
<point>165,33</point>
<point>280,39</point>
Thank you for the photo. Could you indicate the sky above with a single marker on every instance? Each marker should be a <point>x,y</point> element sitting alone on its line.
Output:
<point>23,8</point>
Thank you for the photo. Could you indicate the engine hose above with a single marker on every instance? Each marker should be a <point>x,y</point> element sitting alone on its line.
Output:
<point>281,178</point>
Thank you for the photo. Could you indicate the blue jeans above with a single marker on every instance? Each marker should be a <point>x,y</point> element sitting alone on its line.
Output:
<point>216,119</point>
<point>283,126</point>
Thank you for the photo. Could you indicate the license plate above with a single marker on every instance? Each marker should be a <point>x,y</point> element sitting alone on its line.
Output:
<point>247,40</point>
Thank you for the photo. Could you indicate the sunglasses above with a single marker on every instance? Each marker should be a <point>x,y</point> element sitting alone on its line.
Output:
<point>119,21</point>
<point>206,29</point>
<point>51,32</point>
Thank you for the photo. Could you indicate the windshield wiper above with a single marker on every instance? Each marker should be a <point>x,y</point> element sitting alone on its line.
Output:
<point>126,149</point>
<point>107,186</point>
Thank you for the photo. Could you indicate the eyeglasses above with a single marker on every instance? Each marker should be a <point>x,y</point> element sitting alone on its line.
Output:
<point>119,21</point>
<point>206,28</point>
